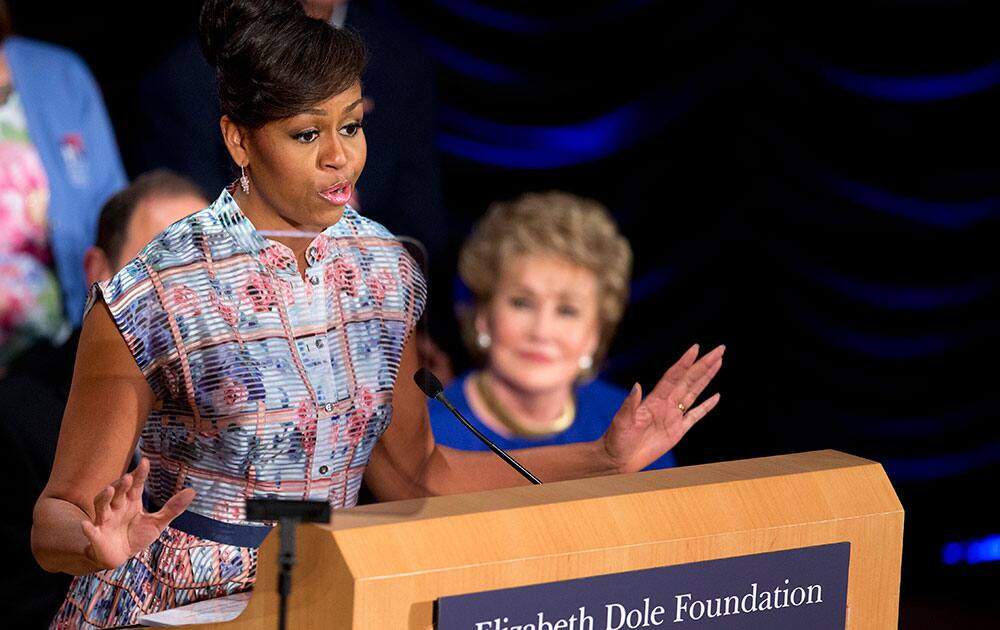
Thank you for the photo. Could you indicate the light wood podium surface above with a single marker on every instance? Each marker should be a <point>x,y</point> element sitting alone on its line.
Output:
<point>382,566</point>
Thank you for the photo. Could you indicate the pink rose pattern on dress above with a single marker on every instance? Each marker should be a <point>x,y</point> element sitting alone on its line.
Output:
<point>259,292</point>
<point>343,275</point>
<point>364,407</point>
<point>277,256</point>
<point>234,393</point>
<point>185,300</point>
<point>320,248</point>
<point>286,290</point>
<point>306,426</point>
<point>229,313</point>
<point>380,284</point>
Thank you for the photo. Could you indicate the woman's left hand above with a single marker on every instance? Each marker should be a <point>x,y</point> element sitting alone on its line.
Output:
<point>643,430</point>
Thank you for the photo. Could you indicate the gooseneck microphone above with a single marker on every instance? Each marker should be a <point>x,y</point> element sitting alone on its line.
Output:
<point>431,387</point>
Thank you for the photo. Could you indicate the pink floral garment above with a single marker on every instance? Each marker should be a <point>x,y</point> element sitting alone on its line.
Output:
<point>30,304</point>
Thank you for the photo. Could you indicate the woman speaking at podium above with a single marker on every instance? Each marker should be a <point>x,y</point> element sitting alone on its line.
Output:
<point>260,348</point>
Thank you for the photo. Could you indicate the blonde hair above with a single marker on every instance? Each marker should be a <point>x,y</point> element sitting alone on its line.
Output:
<point>552,223</point>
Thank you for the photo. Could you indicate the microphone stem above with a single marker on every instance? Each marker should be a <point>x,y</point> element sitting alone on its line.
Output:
<point>485,440</point>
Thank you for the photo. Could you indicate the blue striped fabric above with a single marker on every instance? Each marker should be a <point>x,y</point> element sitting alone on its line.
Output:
<point>268,384</point>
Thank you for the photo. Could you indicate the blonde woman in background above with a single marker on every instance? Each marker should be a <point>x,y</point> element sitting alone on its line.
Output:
<point>549,273</point>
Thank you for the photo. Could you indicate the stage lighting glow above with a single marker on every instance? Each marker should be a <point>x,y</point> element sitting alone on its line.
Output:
<point>972,551</point>
<point>915,89</point>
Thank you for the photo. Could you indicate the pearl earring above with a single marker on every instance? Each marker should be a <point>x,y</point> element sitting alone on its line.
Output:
<point>483,340</point>
<point>586,362</point>
<point>244,181</point>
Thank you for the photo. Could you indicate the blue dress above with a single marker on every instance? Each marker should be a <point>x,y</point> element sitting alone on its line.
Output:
<point>596,404</point>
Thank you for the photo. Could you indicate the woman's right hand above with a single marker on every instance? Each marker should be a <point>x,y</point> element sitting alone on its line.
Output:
<point>644,429</point>
<point>121,526</point>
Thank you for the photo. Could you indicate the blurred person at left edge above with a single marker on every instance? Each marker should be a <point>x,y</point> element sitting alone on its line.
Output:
<point>58,163</point>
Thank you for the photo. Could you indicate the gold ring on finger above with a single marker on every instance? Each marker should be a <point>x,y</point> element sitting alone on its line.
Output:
<point>682,407</point>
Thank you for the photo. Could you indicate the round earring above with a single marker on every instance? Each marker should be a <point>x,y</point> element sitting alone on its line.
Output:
<point>483,340</point>
<point>244,181</point>
<point>586,362</point>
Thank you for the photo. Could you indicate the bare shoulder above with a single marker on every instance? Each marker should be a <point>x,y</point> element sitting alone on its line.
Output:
<point>103,351</point>
<point>109,400</point>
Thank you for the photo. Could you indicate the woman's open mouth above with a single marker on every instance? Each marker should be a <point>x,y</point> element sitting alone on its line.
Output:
<point>338,194</point>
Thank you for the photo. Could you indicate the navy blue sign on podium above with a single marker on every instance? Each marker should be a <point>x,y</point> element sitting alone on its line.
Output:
<point>791,589</point>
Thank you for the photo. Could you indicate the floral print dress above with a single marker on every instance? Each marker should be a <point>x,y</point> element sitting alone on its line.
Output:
<point>268,384</point>
<point>30,304</point>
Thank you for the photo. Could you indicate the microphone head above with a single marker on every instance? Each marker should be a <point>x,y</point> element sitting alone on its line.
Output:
<point>428,383</point>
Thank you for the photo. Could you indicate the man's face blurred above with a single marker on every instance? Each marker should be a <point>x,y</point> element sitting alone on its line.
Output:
<point>152,217</point>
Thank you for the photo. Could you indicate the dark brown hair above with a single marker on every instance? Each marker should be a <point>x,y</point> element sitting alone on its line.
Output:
<point>5,26</point>
<point>273,61</point>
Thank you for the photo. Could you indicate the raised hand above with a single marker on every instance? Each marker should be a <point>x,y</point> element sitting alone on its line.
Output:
<point>121,527</point>
<point>642,430</point>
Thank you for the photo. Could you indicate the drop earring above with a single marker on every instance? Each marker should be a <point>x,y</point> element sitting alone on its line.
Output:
<point>483,340</point>
<point>244,181</point>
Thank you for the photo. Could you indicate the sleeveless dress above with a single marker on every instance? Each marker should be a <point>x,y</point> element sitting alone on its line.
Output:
<point>267,386</point>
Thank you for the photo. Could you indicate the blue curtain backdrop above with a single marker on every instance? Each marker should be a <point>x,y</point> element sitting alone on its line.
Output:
<point>814,184</point>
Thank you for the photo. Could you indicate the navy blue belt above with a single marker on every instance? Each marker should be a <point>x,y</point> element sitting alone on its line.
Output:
<point>234,534</point>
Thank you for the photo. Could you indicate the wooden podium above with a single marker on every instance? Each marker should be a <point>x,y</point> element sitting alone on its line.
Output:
<point>383,566</point>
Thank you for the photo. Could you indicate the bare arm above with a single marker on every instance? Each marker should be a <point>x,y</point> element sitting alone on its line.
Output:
<point>87,490</point>
<point>406,463</point>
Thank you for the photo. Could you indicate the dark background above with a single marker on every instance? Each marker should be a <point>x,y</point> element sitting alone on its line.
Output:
<point>813,184</point>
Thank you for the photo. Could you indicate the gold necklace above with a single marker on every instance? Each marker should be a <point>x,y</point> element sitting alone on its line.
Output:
<point>516,427</point>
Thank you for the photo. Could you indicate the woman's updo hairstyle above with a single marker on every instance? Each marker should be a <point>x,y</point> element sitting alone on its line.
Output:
<point>273,61</point>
